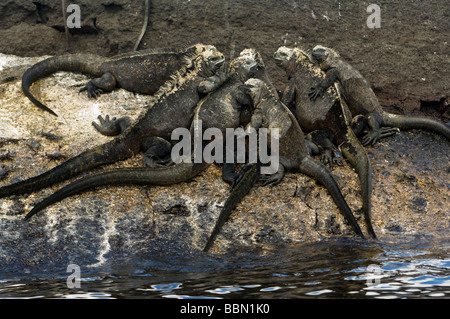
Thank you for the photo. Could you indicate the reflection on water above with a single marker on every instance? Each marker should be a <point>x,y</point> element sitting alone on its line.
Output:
<point>329,269</point>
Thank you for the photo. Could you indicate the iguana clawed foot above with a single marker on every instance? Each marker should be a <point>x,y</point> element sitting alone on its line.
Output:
<point>231,177</point>
<point>371,137</point>
<point>327,157</point>
<point>215,81</point>
<point>274,179</point>
<point>337,157</point>
<point>315,92</point>
<point>111,127</point>
<point>92,90</point>
<point>370,131</point>
<point>331,157</point>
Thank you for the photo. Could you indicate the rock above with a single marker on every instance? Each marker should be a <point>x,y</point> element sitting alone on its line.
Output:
<point>418,204</point>
<point>410,189</point>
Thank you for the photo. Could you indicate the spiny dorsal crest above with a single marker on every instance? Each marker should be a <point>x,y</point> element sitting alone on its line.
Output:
<point>293,53</point>
<point>194,63</point>
<point>295,57</point>
<point>305,59</point>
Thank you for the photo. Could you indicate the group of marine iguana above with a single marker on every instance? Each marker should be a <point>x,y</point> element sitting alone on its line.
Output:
<point>327,103</point>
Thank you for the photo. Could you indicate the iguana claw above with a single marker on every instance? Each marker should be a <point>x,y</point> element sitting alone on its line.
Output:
<point>111,127</point>
<point>315,92</point>
<point>273,179</point>
<point>371,138</point>
<point>92,90</point>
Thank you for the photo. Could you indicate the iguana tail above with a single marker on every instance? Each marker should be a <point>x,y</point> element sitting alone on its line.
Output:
<point>322,174</point>
<point>243,186</point>
<point>415,122</point>
<point>85,63</point>
<point>128,176</point>
<point>355,153</point>
<point>107,153</point>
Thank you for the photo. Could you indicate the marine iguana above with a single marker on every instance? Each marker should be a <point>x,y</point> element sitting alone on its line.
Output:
<point>327,119</point>
<point>221,109</point>
<point>270,112</point>
<point>176,100</point>
<point>141,72</point>
<point>362,101</point>
<point>242,181</point>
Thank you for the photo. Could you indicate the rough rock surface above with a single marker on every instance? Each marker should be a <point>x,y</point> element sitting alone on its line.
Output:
<point>410,197</point>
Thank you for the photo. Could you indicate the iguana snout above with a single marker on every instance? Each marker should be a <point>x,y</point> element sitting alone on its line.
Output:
<point>214,57</point>
<point>283,54</point>
<point>249,63</point>
<point>252,86</point>
<point>218,60</point>
<point>251,67</point>
<point>320,53</point>
<point>246,89</point>
<point>213,64</point>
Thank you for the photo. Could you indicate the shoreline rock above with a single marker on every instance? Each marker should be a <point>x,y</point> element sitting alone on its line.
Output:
<point>411,189</point>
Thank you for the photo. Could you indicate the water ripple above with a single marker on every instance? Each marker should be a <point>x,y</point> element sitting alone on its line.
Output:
<point>334,269</point>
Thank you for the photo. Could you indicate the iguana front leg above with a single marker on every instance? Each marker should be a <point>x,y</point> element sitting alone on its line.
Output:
<point>323,140</point>
<point>112,127</point>
<point>213,82</point>
<point>106,83</point>
<point>319,89</point>
<point>371,128</point>
<point>373,134</point>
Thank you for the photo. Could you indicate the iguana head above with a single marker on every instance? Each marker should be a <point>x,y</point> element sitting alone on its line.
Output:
<point>247,64</point>
<point>324,56</point>
<point>284,56</point>
<point>254,88</point>
<point>208,59</point>
<point>290,59</point>
<point>294,59</point>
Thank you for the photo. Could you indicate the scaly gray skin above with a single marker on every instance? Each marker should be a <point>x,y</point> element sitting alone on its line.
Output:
<point>249,176</point>
<point>221,109</point>
<point>176,100</point>
<point>363,102</point>
<point>327,119</point>
<point>141,72</point>
<point>269,113</point>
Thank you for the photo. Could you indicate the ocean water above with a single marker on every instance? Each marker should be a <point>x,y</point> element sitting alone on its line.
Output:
<point>337,268</point>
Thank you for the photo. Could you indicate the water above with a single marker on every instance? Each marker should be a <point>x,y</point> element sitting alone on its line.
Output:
<point>340,268</point>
